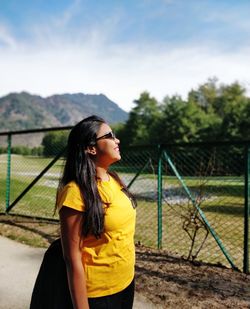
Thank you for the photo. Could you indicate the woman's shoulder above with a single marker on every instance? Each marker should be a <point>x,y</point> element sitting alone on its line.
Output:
<point>70,195</point>
<point>72,185</point>
<point>71,189</point>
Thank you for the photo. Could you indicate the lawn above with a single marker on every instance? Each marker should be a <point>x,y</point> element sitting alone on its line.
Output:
<point>220,198</point>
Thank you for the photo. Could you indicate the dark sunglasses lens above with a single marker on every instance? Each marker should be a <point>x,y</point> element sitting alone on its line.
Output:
<point>110,135</point>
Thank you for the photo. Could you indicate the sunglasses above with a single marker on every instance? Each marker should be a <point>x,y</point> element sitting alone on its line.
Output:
<point>110,135</point>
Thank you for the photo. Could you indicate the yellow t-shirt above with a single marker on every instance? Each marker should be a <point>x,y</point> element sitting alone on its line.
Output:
<point>109,261</point>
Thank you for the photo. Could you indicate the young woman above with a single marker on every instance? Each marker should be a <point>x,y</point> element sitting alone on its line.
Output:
<point>97,218</point>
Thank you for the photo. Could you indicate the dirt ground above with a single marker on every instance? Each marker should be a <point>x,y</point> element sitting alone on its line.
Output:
<point>175,283</point>
<point>168,281</point>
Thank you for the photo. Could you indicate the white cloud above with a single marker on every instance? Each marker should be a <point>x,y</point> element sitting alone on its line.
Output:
<point>59,58</point>
<point>6,38</point>
<point>120,72</point>
<point>235,19</point>
<point>68,14</point>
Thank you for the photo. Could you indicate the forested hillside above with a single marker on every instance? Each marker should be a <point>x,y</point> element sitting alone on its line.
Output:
<point>21,111</point>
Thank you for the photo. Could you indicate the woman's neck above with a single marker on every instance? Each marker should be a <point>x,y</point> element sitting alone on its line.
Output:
<point>102,173</point>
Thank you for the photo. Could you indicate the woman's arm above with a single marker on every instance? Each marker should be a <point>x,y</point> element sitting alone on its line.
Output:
<point>71,227</point>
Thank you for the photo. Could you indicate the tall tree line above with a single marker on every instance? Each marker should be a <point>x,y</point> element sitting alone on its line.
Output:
<point>213,112</point>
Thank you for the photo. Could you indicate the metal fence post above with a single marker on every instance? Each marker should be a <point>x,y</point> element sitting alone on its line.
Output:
<point>7,199</point>
<point>247,213</point>
<point>159,197</point>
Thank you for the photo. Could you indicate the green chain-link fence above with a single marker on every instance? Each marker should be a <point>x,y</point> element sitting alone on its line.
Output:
<point>193,200</point>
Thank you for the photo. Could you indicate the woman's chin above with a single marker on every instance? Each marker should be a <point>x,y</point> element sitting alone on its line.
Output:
<point>117,158</point>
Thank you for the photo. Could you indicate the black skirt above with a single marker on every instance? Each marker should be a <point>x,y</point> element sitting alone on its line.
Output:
<point>51,289</point>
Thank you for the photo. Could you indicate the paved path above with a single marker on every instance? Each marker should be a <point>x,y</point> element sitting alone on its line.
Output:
<point>19,265</point>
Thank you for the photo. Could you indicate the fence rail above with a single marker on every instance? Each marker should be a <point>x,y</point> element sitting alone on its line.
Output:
<point>193,199</point>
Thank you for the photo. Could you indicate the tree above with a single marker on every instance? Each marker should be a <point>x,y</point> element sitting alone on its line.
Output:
<point>181,121</point>
<point>226,107</point>
<point>212,112</point>
<point>205,95</point>
<point>234,105</point>
<point>141,119</point>
<point>244,122</point>
<point>54,142</point>
<point>169,125</point>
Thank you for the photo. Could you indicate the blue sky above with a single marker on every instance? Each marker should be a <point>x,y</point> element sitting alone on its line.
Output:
<point>121,48</point>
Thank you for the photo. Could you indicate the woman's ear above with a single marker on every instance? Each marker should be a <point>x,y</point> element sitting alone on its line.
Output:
<point>91,150</point>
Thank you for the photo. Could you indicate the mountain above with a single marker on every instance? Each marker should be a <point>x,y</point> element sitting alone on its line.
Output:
<point>22,111</point>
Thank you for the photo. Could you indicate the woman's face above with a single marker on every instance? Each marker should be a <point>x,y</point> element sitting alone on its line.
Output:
<point>107,146</point>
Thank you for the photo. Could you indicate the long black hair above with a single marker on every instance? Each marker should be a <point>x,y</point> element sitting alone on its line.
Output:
<point>80,168</point>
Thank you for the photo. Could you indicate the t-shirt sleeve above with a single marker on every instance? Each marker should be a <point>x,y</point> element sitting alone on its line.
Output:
<point>70,196</point>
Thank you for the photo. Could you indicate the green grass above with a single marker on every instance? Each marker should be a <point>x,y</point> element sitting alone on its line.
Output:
<point>224,209</point>
<point>228,227</point>
<point>39,201</point>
